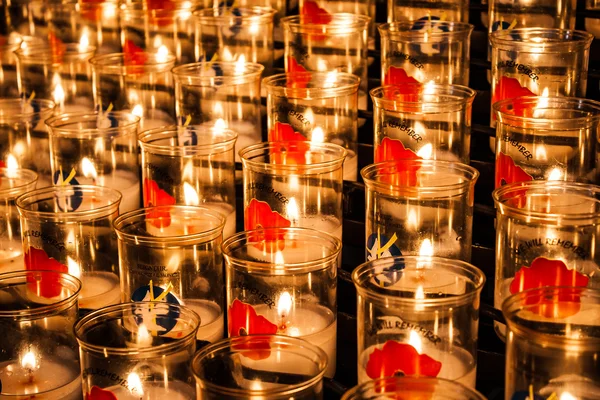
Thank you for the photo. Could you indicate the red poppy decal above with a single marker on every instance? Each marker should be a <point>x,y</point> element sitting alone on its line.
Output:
<point>400,358</point>
<point>244,321</point>
<point>298,76</point>
<point>403,173</point>
<point>100,394</point>
<point>134,55</point>
<point>160,12</point>
<point>94,10</point>
<point>49,286</point>
<point>507,172</point>
<point>313,14</point>
<point>544,272</point>
<point>57,47</point>
<point>258,215</point>
<point>294,153</point>
<point>510,88</point>
<point>406,88</point>
<point>153,197</point>
<point>283,132</point>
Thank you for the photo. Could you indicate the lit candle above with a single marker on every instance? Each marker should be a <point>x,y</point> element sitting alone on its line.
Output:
<point>98,289</point>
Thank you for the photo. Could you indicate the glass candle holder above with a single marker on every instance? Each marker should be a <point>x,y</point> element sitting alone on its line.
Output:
<point>272,367</point>
<point>138,82</point>
<point>546,236</point>
<point>418,316</point>
<point>39,352</point>
<point>8,65</point>
<point>69,229</point>
<point>24,137</point>
<point>315,107</point>
<point>222,95</point>
<point>422,122</point>
<point>13,183</point>
<point>296,184</point>
<point>190,166</point>
<point>531,14</point>
<point>97,148</point>
<point>58,71</point>
<point>592,25</point>
<point>138,350</point>
<point>550,138</point>
<point>419,207</point>
<point>413,10</point>
<point>172,254</point>
<point>235,33</point>
<point>283,281</point>
<point>411,388</point>
<point>325,43</point>
<point>425,51</point>
<point>161,27</point>
<point>549,354</point>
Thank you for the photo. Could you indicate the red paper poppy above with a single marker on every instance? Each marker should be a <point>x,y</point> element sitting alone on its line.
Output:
<point>57,47</point>
<point>544,272</point>
<point>243,321</point>
<point>403,172</point>
<point>507,172</point>
<point>100,394</point>
<point>153,197</point>
<point>283,132</point>
<point>93,11</point>
<point>298,76</point>
<point>134,55</point>
<point>160,12</point>
<point>406,88</point>
<point>510,88</point>
<point>37,259</point>
<point>294,153</point>
<point>395,358</point>
<point>313,14</point>
<point>258,215</point>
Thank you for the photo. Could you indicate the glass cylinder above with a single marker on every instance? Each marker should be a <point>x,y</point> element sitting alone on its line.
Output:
<point>234,34</point>
<point>411,388</point>
<point>173,254</point>
<point>60,72</point>
<point>325,43</point>
<point>138,350</point>
<point>419,207</point>
<point>546,235</point>
<point>283,281</point>
<point>97,148</point>
<point>8,65</point>
<point>418,316</point>
<point>24,136</point>
<point>13,183</point>
<point>531,14</point>
<point>137,82</point>
<point>270,367</point>
<point>551,138</point>
<point>39,352</point>
<point>223,95</point>
<point>413,10</point>
<point>425,51</point>
<point>422,122</point>
<point>297,184</point>
<point>315,107</point>
<point>161,27</point>
<point>69,229</point>
<point>592,25</point>
<point>550,354</point>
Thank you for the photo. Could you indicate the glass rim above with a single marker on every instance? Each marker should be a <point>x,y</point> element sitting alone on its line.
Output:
<point>404,28</point>
<point>26,200</point>
<point>370,172</point>
<point>249,14</point>
<point>42,53</point>
<point>243,239</point>
<point>44,311</point>
<point>145,139</point>
<point>191,74</point>
<point>517,302</point>
<point>285,344</point>
<point>341,23</point>
<point>130,218</point>
<point>27,176</point>
<point>501,108</point>
<point>505,39</point>
<point>66,124</point>
<point>264,148</point>
<point>138,9</point>
<point>362,275</point>
<point>114,63</point>
<point>91,319</point>
<point>457,96</point>
<point>349,85</point>
<point>520,189</point>
<point>45,107</point>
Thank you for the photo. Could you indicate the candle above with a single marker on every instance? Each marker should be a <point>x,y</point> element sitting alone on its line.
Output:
<point>141,390</point>
<point>11,256</point>
<point>212,320</point>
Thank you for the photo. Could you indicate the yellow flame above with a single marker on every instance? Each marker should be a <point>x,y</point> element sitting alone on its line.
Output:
<point>556,174</point>
<point>292,210</point>
<point>318,136</point>
<point>84,41</point>
<point>162,54</point>
<point>284,304</point>
<point>135,383</point>
<point>426,249</point>
<point>138,111</point>
<point>58,94</point>
<point>426,151</point>
<point>74,268</point>
<point>88,169</point>
<point>29,360</point>
<point>190,195</point>
<point>415,341</point>
<point>240,66</point>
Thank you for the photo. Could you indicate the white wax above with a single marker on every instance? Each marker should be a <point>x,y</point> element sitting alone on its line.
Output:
<point>54,379</point>
<point>99,289</point>
<point>128,184</point>
<point>330,226</point>
<point>195,225</point>
<point>11,257</point>
<point>430,280</point>
<point>230,214</point>
<point>211,319</point>
<point>169,390</point>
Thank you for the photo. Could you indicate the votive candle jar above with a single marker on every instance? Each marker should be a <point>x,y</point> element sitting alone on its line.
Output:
<point>272,367</point>
<point>283,281</point>
<point>138,350</point>
<point>419,121</point>
<point>222,95</point>
<point>592,25</point>
<point>24,136</point>
<point>297,184</point>
<point>413,10</point>
<point>546,235</point>
<point>8,65</point>
<point>173,254</point>
<point>425,51</point>
<point>69,229</point>
<point>418,316</point>
<point>97,148</point>
<point>553,343</point>
<point>13,183</point>
<point>551,138</point>
<point>39,352</point>
<point>137,82</point>
<point>531,14</point>
<point>419,207</point>
<point>315,107</point>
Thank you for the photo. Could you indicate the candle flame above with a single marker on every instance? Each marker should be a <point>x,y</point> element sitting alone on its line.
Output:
<point>220,126</point>
<point>227,54</point>
<point>292,210</point>
<point>138,110</point>
<point>218,110</point>
<point>411,221</point>
<point>12,165</point>
<point>256,385</point>
<point>190,195</point>
<point>322,65</point>
<point>426,151</point>
<point>134,383</point>
<point>318,136</point>
<point>426,249</point>
<point>330,79</point>
<point>162,54</point>
<point>540,153</point>
<point>567,396</point>
<point>309,115</point>
<point>88,169</point>
<point>84,42</point>
<point>29,360</point>
<point>415,341</point>
<point>143,336</point>
<point>73,267</point>
<point>58,94</point>
<point>429,88</point>
<point>109,11</point>
<point>555,174</point>
<point>284,304</point>
<point>240,65</point>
